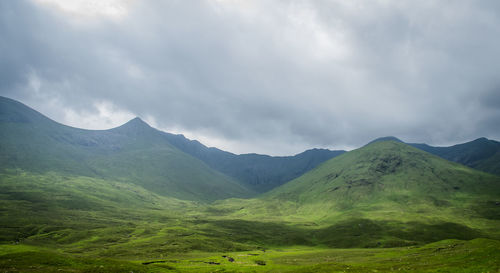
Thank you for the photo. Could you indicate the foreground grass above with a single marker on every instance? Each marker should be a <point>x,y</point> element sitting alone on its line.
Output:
<point>478,255</point>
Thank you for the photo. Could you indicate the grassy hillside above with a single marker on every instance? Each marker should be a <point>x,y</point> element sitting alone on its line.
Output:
<point>384,194</point>
<point>387,170</point>
<point>259,172</point>
<point>60,223</point>
<point>54,207</point>
<point>133,152</point>
<point>481,154</point>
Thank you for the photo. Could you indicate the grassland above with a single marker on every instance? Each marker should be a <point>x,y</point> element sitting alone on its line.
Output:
<point>479,255</point>
<point>59,223</point>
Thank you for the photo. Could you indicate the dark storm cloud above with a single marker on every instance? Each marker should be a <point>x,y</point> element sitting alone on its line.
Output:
<point>274,77</point>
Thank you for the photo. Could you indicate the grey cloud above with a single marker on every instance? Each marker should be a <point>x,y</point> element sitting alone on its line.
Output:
<point>276,76</point>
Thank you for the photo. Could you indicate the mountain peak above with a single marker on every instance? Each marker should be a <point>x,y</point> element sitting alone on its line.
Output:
<point>365,174</point>
<point>386,138</point>
<point>137,120</point>
<point>480,140</point>
<point>135,124</point>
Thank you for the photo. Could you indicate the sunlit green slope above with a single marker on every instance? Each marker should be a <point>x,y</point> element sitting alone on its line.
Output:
<point>479,255</point>
<point>52,208</point>
<point>386,193</point>
<point>386,174</point>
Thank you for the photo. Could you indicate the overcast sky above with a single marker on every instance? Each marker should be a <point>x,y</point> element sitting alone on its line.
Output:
<point>274,77</point>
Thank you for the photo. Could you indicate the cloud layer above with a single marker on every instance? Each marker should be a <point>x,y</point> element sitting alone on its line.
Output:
<point>262,76</point>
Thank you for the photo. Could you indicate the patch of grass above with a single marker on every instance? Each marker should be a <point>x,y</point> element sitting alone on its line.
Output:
<point>50,261</point>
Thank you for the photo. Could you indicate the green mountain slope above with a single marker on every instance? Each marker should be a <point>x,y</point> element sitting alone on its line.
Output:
<point>386,193</point>
<point>259,172</point>
<point>481,154</point>
<point>51,207</point>
<point>133,152</point>
<point>391,172</point>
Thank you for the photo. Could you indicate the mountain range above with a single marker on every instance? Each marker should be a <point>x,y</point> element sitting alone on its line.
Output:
<point>31,141</point>
<point>134,192</point>
<point>133,152</point>
<point>166,163</point>
<point>482,154</point>
<point>259,172</point>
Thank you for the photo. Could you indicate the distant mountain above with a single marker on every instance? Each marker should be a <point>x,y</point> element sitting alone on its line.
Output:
<point>133,152</point>
<point>387,138</point>
<point>482,154</point>
<point>387,171</point>
<point>259,172</point>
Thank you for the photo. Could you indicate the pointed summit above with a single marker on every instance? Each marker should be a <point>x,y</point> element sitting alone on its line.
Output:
<point>133,126</point>
<point>387,138</point>
<point>136,122</point>
<point>481,140</point>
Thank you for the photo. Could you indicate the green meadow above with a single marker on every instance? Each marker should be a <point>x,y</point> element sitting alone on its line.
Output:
<point>478,255</point>
<point>55,223</point>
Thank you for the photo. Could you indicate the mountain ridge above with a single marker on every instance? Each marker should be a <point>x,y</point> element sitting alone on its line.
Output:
<point>482,153</point>
<point>259,172</point>
<point>133,152</point>
<point>256,171</point>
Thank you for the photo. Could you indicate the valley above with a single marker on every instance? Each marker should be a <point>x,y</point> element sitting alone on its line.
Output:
<point>130,199</point>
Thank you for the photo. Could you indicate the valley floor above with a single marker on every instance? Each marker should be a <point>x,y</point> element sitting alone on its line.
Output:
<point>57,223</point>
<point>478,255</point>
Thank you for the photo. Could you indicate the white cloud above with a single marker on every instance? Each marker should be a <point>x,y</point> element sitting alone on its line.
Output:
<point>101,115</point>
<point>89,9</point>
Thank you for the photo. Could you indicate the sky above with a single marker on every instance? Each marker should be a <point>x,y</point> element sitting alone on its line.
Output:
<point>273,77</point>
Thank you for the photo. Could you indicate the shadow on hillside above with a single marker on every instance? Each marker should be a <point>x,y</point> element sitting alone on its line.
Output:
<point>368,233</point>
<point>257,233</point>
<point>235,235</point>
<point>355,233</point>
<point>488,209</point>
